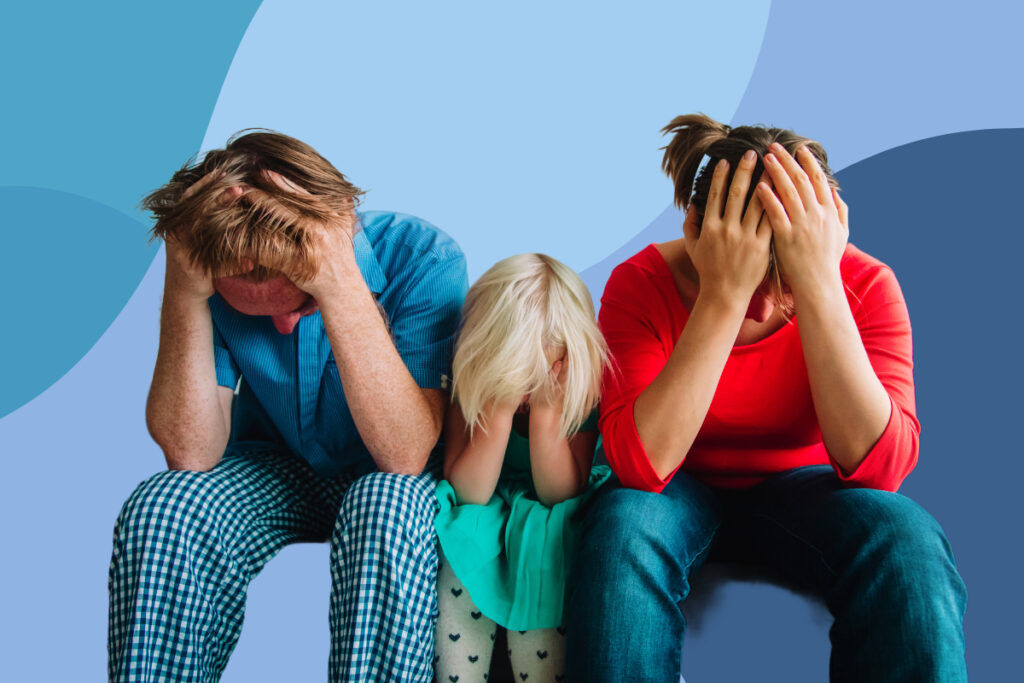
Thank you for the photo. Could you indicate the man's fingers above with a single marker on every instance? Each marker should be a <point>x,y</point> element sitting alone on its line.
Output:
<point>284,183</point>
<point>739,186</point>
<point>211,177</point>
<point>714,205</point>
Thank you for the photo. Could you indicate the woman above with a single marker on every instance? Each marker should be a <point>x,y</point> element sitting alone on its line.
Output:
<point>761,407</point>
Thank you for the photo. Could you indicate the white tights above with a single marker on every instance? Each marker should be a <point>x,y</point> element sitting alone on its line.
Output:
<point>465,640</point>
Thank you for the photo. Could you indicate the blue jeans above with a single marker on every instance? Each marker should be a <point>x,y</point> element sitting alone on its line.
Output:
<point>882,564</point>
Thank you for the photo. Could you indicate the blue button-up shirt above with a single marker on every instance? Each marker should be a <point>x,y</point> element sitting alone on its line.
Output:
<point>290,393</point>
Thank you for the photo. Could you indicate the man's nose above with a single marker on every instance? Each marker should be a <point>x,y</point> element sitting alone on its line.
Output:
<point>286,322</point>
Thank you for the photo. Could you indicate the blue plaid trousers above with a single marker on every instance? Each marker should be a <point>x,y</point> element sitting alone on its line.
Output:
<point>186,545</point>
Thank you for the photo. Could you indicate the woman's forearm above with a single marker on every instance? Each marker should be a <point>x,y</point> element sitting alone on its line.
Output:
<point>670,411</point>
<point>852,406</point>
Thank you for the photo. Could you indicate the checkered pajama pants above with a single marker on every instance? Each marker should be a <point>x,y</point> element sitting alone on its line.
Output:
<point>187,544</point>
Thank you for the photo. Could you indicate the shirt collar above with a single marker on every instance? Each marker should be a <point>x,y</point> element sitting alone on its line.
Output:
<point>367,262</point>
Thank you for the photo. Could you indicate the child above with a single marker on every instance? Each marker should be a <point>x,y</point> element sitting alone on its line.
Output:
<point>520,438</point>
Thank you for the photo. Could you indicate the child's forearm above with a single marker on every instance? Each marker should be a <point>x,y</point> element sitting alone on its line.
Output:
<point>557,475</point>
<point>473,471</point>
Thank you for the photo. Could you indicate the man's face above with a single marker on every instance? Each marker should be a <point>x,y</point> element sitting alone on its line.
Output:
<point>277,297</point>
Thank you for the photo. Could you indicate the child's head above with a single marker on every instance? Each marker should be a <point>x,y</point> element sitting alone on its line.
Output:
<point>524,314</point>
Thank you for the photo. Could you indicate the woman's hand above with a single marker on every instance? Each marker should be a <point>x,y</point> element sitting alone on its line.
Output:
<point>730,251</point>
<point>546,406</point>
<point>809,220</point>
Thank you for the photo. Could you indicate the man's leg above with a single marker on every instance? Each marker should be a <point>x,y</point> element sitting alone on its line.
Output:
<point>383,573</point>
<point>185,548</point>
<point>883,565</point>
<point>632,572</point>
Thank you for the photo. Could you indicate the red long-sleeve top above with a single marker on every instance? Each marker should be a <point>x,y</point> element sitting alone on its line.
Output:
<point>761,419</point>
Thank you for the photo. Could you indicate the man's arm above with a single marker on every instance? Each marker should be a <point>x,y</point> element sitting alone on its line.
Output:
<point>187,413</point>
<point>397,420</point>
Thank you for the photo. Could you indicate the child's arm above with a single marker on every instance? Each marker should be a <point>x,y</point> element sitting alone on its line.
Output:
<point>472,466</point>
<point>560,467</point>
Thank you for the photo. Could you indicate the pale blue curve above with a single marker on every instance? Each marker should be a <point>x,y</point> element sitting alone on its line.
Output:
<point>531,126</point>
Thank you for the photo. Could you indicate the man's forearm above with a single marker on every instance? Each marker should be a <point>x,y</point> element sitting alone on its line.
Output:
<point>183,411</point>
<point>396,422</point>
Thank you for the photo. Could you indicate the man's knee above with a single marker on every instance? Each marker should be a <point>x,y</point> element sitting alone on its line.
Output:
<point>399,506</point>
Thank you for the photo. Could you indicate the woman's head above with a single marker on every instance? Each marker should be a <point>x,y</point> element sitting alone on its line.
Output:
<point>267,230</point>
<point>696,137</point>
<point>525,313</point>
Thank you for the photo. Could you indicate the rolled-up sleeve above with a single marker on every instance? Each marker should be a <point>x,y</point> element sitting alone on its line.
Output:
<point>638,354</point>
<point>884,324</point>
<point>424,323</point>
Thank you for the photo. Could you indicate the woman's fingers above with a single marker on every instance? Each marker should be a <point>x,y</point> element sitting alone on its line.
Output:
<point>773,208</point>
<point>791,182</point>
<point>842,208</point>
<point>822,191</point>
<point>713,208</point>
<point>752,217</point>
<point>739,186</point>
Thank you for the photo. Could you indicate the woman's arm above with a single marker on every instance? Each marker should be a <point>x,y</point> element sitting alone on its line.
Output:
<point>852,405</point>
<point>731,257</point>
<point>472,466</point>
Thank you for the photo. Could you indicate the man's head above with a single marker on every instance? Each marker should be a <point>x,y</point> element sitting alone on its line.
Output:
<point>253,213</point>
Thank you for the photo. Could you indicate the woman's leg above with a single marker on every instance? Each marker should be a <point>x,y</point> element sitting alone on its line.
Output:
<point>538,654</point>
<point>883,565</point>
<point>464,638</point>
<point>631,574</point>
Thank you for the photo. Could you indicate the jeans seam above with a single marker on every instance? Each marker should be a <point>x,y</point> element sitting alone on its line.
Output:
<point>701,553</point>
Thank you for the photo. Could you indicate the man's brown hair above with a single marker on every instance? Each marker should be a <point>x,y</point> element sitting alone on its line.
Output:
<point>268,227</point>
<point>695,136</point>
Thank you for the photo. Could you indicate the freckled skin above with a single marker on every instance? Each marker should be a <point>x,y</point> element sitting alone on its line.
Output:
<point>277,297</point>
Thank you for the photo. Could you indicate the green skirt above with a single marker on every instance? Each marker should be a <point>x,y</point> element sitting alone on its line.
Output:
<point>514,554</point>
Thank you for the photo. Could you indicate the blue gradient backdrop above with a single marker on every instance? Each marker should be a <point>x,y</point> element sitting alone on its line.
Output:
<point>514,127</point>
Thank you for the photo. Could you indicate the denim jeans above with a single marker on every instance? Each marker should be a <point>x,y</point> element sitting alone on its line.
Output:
<point>881,563</point>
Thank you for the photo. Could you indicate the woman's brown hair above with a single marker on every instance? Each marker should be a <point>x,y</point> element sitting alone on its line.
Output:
<point>269,226</point>
<point>695,136</point>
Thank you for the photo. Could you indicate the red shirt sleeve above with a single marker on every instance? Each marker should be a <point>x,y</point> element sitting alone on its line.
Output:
<point>639,352</point>
<point>880,312</point>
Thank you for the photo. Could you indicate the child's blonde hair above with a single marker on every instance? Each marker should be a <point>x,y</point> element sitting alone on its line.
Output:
<point>525,312</point>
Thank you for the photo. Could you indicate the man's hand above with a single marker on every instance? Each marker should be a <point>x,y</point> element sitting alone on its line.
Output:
<point>809,220</point>
<point>332,243</point>
<point>183,277</point>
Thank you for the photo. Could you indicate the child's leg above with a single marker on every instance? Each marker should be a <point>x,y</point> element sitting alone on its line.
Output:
<point>538,655</point>
<point>464,638</point>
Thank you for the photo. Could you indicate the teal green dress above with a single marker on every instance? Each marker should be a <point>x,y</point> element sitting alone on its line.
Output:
<point>514,554</point>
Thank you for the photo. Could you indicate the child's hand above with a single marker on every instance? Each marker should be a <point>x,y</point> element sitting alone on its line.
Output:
<point>549,403</point>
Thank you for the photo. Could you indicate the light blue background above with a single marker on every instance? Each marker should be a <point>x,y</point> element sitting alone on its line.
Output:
<point>514,127</point>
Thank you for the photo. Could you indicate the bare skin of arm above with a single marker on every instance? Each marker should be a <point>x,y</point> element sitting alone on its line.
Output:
<point>187,413</point>
<point>397,420</point>
<point>811,229</point>
<point>560,466</point>
<point>472,465</point>
<point>730,254</point>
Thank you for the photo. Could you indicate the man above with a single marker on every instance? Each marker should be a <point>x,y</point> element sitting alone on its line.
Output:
<point>299,391</point>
